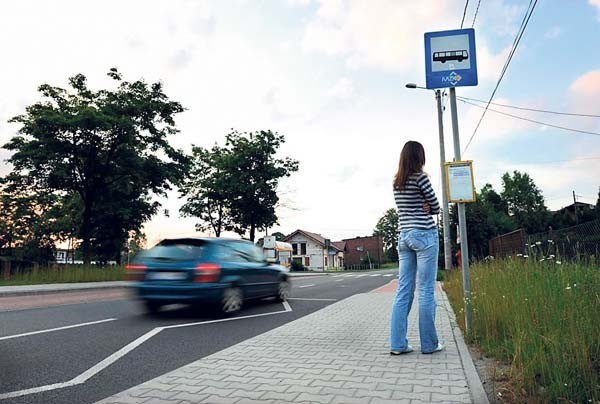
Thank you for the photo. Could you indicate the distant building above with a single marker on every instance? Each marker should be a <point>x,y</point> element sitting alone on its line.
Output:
<point>62,256</point>
<point>359,250</point>
<point>569,210</point>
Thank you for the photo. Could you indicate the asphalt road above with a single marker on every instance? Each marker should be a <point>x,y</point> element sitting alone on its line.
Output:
<point>35,355</point>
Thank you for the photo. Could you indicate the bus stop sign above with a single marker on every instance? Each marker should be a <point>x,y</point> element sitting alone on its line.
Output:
<point>450,58</point>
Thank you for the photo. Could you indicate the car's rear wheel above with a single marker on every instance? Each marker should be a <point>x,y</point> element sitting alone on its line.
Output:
<point>152,307</point>
<point>283,290</point>
<point>232,300</point>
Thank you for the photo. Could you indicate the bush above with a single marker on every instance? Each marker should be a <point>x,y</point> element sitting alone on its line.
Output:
<point>297,266</point>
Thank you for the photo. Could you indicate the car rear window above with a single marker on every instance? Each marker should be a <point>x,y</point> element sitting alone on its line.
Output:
<point>177,250</point>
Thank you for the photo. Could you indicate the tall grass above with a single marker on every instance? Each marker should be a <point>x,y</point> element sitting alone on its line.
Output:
<point>543,318</point>
<point>65,274</point>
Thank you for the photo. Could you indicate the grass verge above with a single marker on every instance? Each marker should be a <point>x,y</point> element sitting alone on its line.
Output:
<point>65,274</point>
<point>542,319</point>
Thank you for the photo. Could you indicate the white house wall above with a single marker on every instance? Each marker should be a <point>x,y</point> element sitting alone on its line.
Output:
<point>314,251</point>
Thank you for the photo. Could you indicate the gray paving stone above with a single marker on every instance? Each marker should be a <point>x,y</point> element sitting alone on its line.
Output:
<point>219,400</point>
<point>377,400</point>
<point>254,395</point>
<point>316,398</point>
<point>274,387</point>
<point>159,394</point>
<point>128,400</point>
<point>281,397</point>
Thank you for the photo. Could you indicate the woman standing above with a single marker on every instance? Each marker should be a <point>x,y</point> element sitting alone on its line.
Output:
<point>417,251</point>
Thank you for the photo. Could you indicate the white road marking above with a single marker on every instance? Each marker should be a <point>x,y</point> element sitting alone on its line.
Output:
<point>56,329</point>
<point>306,286</point>
<point>376,275</point>
<point>82,378</point>
<point>340,280</point>
<point>361,275</point>
<point>317,300</point>
<point>387,275</point>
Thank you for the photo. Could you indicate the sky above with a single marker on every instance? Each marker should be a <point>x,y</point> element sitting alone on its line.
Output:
<point>330,76</point>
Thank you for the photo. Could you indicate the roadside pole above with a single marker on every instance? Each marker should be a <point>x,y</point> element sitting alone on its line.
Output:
<point>445,212</point>
<point>462,221</point>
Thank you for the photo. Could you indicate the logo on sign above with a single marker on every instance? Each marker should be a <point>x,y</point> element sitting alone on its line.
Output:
<point>452,78</point>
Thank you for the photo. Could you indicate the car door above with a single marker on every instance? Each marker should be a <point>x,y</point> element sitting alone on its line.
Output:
<point>268,274</point>
<point>247,269</point>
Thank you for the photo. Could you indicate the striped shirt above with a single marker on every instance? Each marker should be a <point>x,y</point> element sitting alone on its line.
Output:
<point>410,201</point>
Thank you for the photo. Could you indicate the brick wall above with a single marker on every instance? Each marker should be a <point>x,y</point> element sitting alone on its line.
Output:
<point>356,249</point>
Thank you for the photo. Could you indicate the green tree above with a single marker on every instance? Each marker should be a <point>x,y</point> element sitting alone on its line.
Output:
<point>105,150</point>
<point>387,228</point>
<point>279,236</point>
<point>206,190</point>
<point>28,228</point>
<point>253,173</point>
<point>487,217</point>
<point>525,202</point>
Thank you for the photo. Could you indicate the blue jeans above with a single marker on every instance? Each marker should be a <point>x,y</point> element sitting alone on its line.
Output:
<point>418,256</point>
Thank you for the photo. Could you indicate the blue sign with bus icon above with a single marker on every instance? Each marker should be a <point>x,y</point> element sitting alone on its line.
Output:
<point>450,58</point>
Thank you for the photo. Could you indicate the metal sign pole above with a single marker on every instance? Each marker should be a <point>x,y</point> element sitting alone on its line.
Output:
<point>462,221</point>
<point>445,212</point>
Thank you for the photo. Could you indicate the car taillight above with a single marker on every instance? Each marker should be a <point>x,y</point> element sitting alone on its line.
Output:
<point>134,272</point>
<point>207,273</point>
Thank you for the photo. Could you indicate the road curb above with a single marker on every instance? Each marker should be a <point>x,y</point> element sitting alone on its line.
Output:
<point>59,287</point>
<point>478,394</point>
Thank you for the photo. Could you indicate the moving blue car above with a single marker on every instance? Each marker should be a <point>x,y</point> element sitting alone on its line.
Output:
<point>209,271</point>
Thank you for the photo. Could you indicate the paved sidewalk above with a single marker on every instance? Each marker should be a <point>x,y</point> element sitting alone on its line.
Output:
<point>337,355</point>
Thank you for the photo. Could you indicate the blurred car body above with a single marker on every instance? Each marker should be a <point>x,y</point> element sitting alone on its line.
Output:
<point>214,271</point>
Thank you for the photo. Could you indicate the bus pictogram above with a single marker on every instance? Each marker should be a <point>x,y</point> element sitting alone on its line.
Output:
<point>458,55</point>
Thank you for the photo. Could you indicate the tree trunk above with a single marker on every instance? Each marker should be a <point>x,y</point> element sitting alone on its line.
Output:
<point>252,232</point>
<point>86,232</point>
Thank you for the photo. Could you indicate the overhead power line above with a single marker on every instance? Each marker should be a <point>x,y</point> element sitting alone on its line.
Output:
<point>534,121</point>
<point>476,11</point>
<point>528,13</point>
<point>529,109</point>
<point>464,14</point>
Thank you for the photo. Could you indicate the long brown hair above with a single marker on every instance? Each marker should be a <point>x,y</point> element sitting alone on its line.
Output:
<point>412,160</point>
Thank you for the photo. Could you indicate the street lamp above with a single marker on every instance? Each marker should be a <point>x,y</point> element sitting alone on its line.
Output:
<point>445,212</point>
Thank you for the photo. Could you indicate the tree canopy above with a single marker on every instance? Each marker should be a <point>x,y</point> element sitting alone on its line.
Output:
<point>387,228</point>
<point>234,187</point>
<point>103,153</point>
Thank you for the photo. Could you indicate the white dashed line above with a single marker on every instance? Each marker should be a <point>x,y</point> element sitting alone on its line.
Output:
<point>306,286</point>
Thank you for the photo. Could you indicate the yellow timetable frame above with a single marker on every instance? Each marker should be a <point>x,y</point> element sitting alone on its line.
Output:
<point>457,186</point>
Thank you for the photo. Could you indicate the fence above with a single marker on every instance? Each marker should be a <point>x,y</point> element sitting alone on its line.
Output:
<point>361,267</point>
<point>577,242</point>
<point>508,244</point>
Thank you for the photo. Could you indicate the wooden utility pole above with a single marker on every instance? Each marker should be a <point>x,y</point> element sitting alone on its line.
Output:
<point>575,207</point>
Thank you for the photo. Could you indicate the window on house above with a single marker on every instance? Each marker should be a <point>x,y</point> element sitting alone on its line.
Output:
<point>294,249</point>
<point>303,249</point>
<point>306,261</point>
<point>326,261</point>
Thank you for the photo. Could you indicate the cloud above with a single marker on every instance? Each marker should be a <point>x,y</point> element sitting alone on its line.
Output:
<point>490,65</point>
<point>382,34</point>
<point>595,3</point>
<point>587,85</point>
<point>554,32</point>
<point>343,89</point>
